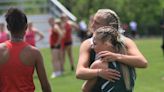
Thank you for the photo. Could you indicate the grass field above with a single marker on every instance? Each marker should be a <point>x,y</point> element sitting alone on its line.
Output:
<point>148,80</point>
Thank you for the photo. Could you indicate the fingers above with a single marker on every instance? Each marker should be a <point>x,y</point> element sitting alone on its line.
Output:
<point>107,55</point>
<point>113,71</point>
<point>110,74</point>
<point>113,77</point>
<point>107,59</point>
<point>104,53</point>
<point>98,56</point>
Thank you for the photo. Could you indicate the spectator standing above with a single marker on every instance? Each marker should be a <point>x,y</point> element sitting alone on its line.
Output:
<point>133,28</point>
<point>4,35</point>
<point>32,33</point>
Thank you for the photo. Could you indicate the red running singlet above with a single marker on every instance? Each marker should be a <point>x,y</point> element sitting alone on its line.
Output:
<point>67,36</point>
<point>30,37</point>
<point>54,36</point>
<point>3,37</point>
<point>14,75</point>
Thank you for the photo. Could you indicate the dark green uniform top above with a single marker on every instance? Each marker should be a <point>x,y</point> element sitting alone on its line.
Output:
<point>103,85</point>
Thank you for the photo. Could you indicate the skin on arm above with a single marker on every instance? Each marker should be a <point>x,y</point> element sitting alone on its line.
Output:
<point>98,64</point>
<point>133,58</point>
<point>88,84</point>
<point>137,59</point>
<point>41,36</point>
<point>73,24</point>
<point>4,54</point>
<point>31,56</point>
<point>41,72</point>
<point>84,72</point>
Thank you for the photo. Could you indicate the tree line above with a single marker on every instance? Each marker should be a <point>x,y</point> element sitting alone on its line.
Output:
<point>147,13</point>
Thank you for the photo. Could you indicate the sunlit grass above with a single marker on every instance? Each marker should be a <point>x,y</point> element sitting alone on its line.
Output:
<point>148,80</point>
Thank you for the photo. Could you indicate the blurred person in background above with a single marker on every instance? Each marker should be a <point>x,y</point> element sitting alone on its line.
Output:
<point>67,41</point>
<point>125,27</point>
<point>32,33</point>
<point>55,38</point>
<point>4,35</point>
<point>82,30</point>
<point>133,28</point>
<point>90,31</point>
<point>162,30</point>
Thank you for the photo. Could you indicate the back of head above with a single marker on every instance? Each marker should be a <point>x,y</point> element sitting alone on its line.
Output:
<point>63,17</point>
<point>111,35</point>
<point>110,17</point>
<point>58,21</point>
<point>51,21</point>
<point>107,34</point>
<point>16,21</point>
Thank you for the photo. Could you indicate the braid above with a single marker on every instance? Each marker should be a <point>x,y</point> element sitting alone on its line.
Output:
<point>111,35</point>
<point>110,18</point>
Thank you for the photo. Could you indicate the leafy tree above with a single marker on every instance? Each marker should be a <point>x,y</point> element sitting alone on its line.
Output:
<point>146,13</point>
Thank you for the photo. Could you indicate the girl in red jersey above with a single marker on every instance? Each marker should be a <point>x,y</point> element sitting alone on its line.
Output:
<point>56,35</point>
<point>67,39</point>
<point>31,33</point>
<point>18,59</point>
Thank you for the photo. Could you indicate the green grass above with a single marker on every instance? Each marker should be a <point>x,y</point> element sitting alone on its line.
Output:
<point>148,80</point>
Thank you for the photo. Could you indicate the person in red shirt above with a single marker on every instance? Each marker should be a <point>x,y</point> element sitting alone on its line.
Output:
<point>55,38</point>
<point>4,35</point>
<point>19,59</point>
<point>31,33</point>
<point>67,39</point>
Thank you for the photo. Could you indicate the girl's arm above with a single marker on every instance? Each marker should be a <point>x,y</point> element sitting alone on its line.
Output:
<point>41,36</point>
<point>84,72</point>
<point>98,64</point>
<point>88,85</point>
<point>41,72</point>
<point>133,58</point>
